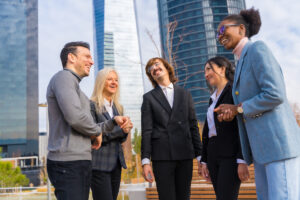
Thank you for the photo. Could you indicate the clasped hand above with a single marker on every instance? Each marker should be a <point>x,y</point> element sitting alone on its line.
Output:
<point>125,124</point>
<point>226,112</point>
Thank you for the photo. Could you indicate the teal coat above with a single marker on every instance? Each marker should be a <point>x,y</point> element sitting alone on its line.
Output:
<point>268,129</point>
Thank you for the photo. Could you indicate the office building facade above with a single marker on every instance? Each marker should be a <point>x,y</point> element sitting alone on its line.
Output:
<point>19,77</point>
<point>116,46</point>
<point>188,38</point>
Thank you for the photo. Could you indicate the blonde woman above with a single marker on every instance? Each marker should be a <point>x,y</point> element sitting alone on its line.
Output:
<point>109,159</point>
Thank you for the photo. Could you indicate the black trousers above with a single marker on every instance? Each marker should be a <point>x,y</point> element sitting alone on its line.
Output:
<point>223,173</point>
<point>71,179</point>
<point>105,185</point>
<point>173,179</point>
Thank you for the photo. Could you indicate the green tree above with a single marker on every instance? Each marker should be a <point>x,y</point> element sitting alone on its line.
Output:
<point>137,140</point>
<point>131,171</point>
<point>11,177</point>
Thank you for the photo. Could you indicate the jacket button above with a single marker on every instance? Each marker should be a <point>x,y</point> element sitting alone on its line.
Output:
<point>179,122</point>
<point>236,92</point>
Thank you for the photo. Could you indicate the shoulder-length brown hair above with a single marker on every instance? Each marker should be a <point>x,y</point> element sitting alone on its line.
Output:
<point>169,68</point>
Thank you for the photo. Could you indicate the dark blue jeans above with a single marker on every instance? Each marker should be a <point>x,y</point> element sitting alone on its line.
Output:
<point>71,179</point>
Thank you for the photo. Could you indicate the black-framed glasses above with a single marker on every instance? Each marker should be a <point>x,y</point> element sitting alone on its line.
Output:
<point>222,30</point>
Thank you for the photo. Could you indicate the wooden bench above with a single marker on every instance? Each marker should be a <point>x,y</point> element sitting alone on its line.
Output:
<point>246,192</point>
<point>196,179</point>
<point>200,189</point>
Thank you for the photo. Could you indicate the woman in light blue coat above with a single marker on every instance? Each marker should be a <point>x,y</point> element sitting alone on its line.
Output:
<point>269,134</point>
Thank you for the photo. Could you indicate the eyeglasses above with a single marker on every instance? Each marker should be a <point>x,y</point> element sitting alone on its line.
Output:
<point>223,29</point>
<point>152,67</point>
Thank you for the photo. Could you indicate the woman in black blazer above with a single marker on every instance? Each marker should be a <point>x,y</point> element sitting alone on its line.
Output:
<point>109,159</point>
<point>222,160</point>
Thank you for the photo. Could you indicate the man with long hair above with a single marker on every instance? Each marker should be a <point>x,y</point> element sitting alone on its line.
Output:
<point>170,135</point>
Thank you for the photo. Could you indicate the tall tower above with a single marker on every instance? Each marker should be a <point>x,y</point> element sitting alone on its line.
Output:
<point>19,77</point>
<point>188,38</point>
<point>116,46</point>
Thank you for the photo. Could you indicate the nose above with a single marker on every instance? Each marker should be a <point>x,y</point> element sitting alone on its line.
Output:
<point>156,67</point>
<point>206,75</point>
<point>91,61</point>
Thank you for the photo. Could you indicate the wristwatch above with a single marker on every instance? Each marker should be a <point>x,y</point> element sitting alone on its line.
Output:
<point>240,109</point>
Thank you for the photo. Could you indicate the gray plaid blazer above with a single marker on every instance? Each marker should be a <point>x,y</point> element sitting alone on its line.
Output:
<point>110,152</point>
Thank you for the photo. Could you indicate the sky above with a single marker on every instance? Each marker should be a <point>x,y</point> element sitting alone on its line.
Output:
<point>72,20</point>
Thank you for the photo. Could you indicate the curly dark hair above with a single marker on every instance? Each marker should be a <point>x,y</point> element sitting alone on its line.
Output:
<point>221,61</point>
<point>169,68</point>
<point>250,18</point>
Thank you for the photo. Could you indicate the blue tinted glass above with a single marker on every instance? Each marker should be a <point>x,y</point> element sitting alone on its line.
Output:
<point>194,40</point>
<point>13,70</point>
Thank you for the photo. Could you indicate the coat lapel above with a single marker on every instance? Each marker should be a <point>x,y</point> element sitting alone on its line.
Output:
<point>240,64</point>
<point>106,115</point>
<point>161,98</point>
<point>227,87</point>
<point>115,111</point>
<point>177,98</point>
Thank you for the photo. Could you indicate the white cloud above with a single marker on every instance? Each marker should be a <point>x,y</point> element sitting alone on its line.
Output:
<point>148,22</point>
<point>281,31</point>
<point>61,22</point>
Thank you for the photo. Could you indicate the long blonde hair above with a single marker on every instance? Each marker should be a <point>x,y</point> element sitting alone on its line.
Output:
<point>97,95</point>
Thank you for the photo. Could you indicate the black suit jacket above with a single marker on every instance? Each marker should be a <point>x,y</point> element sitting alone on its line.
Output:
<point>169,133</point>
<point>110,152</point>
<point>228,142</point>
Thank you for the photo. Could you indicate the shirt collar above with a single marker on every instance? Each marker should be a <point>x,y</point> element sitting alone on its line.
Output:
<point>170,86</point>
<point>107,103</point>
<point>76,75</point>
<point>237,51</point>
<point>214,95</point>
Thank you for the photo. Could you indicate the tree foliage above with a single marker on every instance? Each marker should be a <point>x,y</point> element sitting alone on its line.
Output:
<point>131,171</point>
<point>137,140</point>
<point>296,110</point>
<point>10,176</point>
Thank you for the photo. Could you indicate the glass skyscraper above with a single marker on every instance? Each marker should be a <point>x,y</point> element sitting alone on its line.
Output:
<point>188,35</point>
<point>116,46</point>
<point>19,77</point>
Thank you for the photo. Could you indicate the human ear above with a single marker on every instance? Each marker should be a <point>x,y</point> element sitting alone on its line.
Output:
<point>242,30</point>
<point>71,57</point>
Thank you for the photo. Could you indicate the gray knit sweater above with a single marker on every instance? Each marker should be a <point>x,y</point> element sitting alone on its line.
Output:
<point>70,122</point>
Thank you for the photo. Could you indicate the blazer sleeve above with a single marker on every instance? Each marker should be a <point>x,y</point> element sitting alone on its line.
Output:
<point>267,73</point>
<point>205,142</point>
<point>147,126</point>
<point>239,154</point>
<point>116,134</point>
<point>194,126</point>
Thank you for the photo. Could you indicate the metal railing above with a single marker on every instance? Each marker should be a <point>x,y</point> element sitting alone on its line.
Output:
<point>41,193</point>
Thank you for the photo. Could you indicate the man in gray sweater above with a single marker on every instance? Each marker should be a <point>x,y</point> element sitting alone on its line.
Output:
<point>72,127</point>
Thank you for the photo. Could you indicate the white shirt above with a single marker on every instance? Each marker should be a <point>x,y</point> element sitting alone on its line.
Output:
<point>210,115</point>
<point>211,121</point>
<point>169,93</point>
<point>109,107</point>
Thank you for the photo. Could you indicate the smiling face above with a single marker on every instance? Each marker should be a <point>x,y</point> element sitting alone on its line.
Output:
<point>82,61</point>
<point>158,71</point>
<point>111,84</point>
<point>214,74</point>
<point>230,33</point>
